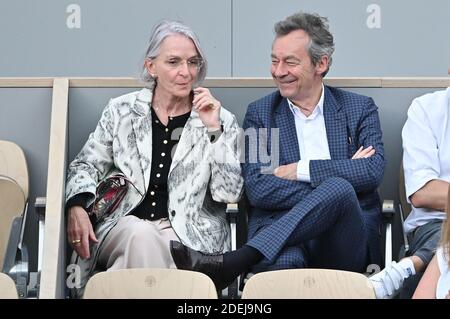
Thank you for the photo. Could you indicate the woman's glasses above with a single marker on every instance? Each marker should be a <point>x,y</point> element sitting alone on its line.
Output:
<point>192,63</point>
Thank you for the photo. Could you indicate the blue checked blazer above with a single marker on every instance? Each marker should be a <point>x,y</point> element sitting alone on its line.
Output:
<point>351,121</point>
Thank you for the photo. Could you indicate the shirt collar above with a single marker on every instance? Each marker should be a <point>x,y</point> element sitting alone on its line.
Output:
<point>317,110</point>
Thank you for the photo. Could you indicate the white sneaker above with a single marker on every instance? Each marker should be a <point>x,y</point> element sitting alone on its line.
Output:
<point>387,283</point>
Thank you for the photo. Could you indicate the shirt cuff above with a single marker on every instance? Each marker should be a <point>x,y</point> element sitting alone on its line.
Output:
<point>303,171</point>
<point>81,199</point>
<point>415,181</point>
<point>214,135</point>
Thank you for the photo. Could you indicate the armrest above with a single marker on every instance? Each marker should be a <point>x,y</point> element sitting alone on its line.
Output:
<point>388,212</point>
<point>388,209</point>
<point>39,203</point>
<point>232,208</point>
<point>16,263</point>
<point>232,212</point>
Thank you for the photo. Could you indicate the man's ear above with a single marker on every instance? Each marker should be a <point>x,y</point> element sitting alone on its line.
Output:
<point>322,65</point>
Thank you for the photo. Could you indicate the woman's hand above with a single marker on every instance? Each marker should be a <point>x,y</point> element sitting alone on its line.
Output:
<point>208,108</point>
<point>80,231</point>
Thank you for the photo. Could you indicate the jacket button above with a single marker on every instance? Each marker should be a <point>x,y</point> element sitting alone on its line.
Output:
<point>173,213</point>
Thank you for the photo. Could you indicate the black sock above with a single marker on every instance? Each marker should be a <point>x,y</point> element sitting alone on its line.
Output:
<point>239,261</point>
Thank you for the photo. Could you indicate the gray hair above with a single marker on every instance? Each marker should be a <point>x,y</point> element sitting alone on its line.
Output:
<point>321,40</point>
<point>160,32</point>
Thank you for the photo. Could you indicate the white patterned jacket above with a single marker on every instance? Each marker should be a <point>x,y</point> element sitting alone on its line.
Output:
<point>203,176</point>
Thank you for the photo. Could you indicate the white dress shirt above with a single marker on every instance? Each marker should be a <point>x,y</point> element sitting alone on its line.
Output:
<point>311,136</point>
<point>426,150</point>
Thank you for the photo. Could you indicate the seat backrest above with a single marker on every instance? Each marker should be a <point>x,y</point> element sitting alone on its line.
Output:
<point>308,284</point>
<point>7,287</point>
<point>14,165</point>
<point>12,203</point>
<point>150,283</point>
<point>406,207</point>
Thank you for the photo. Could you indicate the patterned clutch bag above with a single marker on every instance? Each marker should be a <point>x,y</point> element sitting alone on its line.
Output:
<point>109,194</point>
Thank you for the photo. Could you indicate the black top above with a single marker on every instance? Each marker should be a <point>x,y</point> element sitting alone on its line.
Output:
<point>154,205</point>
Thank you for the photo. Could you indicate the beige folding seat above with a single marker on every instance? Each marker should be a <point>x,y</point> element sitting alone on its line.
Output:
<point>308,284</point>
<point>150,283</point>
<point>7,287</point>
<point>14,256</point>
<point>14,165</point>
<point>12,203</point>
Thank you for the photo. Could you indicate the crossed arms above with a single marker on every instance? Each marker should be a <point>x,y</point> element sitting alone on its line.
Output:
<point>280,191</point>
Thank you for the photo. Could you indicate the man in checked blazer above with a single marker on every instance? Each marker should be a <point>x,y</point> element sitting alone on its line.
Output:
<point>318,206</point>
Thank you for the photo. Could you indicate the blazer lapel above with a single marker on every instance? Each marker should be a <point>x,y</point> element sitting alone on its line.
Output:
<point>336,126</point>
<point>288,141</point>
<point>191,133</point>
<point>142,128</point>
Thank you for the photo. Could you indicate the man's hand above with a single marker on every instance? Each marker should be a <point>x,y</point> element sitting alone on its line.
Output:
<point>286,171</point>
<point>79,231</point>
<point>289,171</point>
<point>364,152</point>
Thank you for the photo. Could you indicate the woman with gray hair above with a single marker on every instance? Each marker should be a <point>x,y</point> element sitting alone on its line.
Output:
<point>175,147</point>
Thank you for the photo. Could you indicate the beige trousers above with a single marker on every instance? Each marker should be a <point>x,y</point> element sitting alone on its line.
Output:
<point>138,243</point>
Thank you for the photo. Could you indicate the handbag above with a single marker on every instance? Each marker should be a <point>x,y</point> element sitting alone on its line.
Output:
<point>108,196</point>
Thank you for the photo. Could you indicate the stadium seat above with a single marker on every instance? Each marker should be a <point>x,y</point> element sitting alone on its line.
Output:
<point>150,283</point>
<point>7,287</point>
<point>239,237</point>
<point>14,257</point>
<point>308,284</point>
<point>12,203</point>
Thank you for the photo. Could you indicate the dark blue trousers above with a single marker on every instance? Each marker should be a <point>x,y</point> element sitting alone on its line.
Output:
<point>324,230</point>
